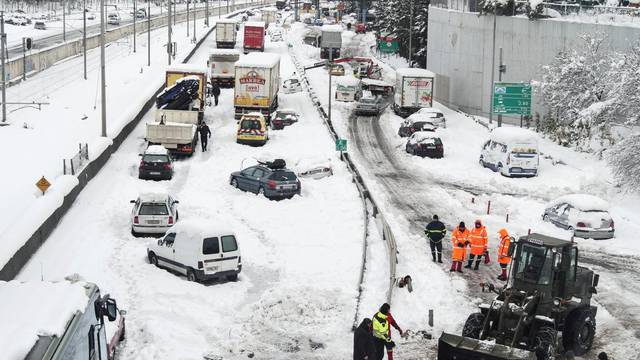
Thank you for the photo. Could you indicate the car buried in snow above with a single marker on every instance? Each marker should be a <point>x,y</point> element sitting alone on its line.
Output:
<point>155,164</point>
<point>587,216</point>
<point>314,168</point>
<point>425,144</point>
<point>284,117</point>
<point>511,152</point>
<point>291,86</point>
<point>410,126</point>
<point>270,179</point>
<point>370,104</point>
<point>433,115</point>
<point>153,214</point>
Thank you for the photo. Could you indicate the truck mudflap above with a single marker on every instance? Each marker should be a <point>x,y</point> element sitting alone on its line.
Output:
<point>455,347</point>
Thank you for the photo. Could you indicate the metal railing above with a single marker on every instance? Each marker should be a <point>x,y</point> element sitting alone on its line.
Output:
<point>75,164</point>
<point>564,8</point>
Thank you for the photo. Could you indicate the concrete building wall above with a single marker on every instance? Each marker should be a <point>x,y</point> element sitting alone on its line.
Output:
<point>460,52</point>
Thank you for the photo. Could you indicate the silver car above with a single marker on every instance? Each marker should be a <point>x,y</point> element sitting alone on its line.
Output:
<point>370,105</point>
<point>586,215</point>
<point>153,214</point>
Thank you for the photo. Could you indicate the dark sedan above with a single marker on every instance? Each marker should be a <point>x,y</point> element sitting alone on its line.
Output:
<point>155,164</point>
<point>284,118</point>
<point>408,127</point>
<point>262,179</point>
<point>423,143</point>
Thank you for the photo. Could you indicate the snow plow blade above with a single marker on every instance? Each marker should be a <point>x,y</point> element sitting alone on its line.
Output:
<point>455,347</point>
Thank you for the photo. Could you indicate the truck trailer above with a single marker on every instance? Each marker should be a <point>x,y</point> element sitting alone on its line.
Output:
<point>253,36</point>
<point>226,33</point>
<point>257,81</point>
<point>414,90</point>
<point>221,66</point>
<point>178,71</point>
<point>331,42</point>
<point>269,16</point>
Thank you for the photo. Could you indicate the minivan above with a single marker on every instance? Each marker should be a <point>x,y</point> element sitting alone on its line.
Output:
<point>511,152</point>
<point>198,251</point>
<point>252,129</point>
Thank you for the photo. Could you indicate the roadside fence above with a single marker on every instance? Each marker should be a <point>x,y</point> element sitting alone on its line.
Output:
<point>75,164</point>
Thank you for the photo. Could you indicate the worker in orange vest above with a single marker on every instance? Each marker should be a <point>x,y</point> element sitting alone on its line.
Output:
<point>458,254</point>
<point>503,253</point>
<point>478,239</point>
<point>460,235</point>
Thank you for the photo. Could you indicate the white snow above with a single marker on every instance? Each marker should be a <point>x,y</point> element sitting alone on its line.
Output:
<point>160,196</point>
<point>423,137</point>
<point>33,309</point>
<point>187,68</point>
<point>331,28</point>
<point>346,80</point>
<point>254,23</point>
<point>368,81</point>
<point>414,72</point>
<point>193,228</point>
<point>216,51</point>
<point>513,135</point>
<point>584,202</point>
<point>259,60</point>
<point>227,21</point>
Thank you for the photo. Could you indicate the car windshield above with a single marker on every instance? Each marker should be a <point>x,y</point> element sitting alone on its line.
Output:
<point>153,209</point>
<point>535,264</point>
<point>153,158</point>
<point>210,246</point>
<point>250,125</point>
<point>524,151</point>
<point>285,115</point>
<point>229,243</point>
<point>283,176</point>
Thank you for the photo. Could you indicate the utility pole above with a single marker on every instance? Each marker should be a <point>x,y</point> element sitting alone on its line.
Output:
<point>135,16</point>
<point>330,62</point>
<point>297,15</point>
<point>3,40</point>
<point>410,33</point>
<point>195,14</point>
<point>169,45</point>
<point>64,21</point>
<point>84,36</point>
<point>501,69</point>
<point>187,18</point>
<point>149,32</point>
<point>227,6</point>
<point>219,7</point>
<point>103,79</point>
<point>206,12</point>
<point>493,65</point>
<point>24,58</point>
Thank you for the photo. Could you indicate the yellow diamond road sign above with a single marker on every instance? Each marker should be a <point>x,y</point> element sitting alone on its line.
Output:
<point>43,184</point>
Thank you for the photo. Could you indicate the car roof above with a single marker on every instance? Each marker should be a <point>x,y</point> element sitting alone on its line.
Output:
<point>153,197</point>
<point>156,150</point>
<point>423,135</point>
<point>584,202</point>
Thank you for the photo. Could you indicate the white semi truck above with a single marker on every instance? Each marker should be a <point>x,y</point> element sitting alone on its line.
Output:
<point>414,90</point>
<point>226,33</point>
<point>221,66</point>
<point>257,82</point>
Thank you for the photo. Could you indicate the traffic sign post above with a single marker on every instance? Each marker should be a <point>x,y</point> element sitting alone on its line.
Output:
<point>511,98</point>
<point>341,145</point>
<point>43,184</point>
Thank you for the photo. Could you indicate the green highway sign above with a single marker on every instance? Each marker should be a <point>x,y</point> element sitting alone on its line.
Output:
<point>341,145</point>
<point>388,44</point>
<point>511,98</point>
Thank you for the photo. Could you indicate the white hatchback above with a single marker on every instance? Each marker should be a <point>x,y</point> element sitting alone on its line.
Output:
<point>153,214</point>
<point>199,251</point>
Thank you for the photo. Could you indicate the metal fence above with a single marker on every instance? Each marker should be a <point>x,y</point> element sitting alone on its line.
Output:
<point>73,165</point>
<point>558,8</point>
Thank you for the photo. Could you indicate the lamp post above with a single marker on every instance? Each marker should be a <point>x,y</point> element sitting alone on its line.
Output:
<point>169,45</point>
<point>84,36</point>
<point>103,78</point>
<point>149,32</point>
<point>135,15</point>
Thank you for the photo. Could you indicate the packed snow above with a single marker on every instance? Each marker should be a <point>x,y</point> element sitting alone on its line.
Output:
<point>584,202</point>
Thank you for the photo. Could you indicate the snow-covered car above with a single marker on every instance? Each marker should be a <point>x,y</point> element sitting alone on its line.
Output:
<point>291,86</point>
<point>40,25</point>
<point>284,117</point>
<point>19,20</point>
<point>153,213</point>
<point>424,143</point>
<point>271,179</point>
<point>336,70</point>
<point>370,104</point>
<point>410,126</point>
<point>199,250</point>
<point>314,168</point>
<point>276,36</point>
<point>113,19</point>
<point>586,215</point>
<point>91,16</point>
<point>155,164</point>
<point>434,115</point>
<point>511,151</point>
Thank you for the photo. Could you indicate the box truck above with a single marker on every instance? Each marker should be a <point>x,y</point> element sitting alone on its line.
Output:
<point>226,33</point>
<point>221,66</point>
<point>414,90</point>
<point>257,81</point>
<point>269,16</point>
<point>330,42</point>
<point>253,36</point>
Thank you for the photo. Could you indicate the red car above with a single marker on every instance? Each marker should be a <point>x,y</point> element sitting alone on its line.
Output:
<point>361,28</point>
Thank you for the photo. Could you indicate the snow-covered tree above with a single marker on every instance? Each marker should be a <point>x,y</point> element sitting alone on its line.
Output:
<point>624,159</point>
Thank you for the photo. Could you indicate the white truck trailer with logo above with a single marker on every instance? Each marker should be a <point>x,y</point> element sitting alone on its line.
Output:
<point>226,33</point>
<point>257,81</point>
<point>58,321</point>
<point>221,66</point>
<point>414,90</point>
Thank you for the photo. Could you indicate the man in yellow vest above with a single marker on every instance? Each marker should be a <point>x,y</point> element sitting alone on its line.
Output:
<point>382,332</point>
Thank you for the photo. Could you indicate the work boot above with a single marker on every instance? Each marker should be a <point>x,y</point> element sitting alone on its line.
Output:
<point>433,255</point>
<point>440,259</point>
<point>502,277</point>
<point>477,264</point>
<point>468,266</point>
<point>453,267</point>
<point>459,267</point>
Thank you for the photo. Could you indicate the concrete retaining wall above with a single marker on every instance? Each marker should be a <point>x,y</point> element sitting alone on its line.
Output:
<point>38,61</point>
<point>460,52</point>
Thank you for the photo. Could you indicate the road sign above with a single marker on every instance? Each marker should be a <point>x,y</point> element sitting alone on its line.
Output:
<point>388,44</point>
<point>43,184</point>
<point>341,144</point>
<point>512,98</point>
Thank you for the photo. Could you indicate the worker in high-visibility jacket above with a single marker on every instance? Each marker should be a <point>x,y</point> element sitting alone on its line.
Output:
<point>460,235</point>
<point>503,253</point>
<point>458,254</point>
<point>478,240</point>
<point>382,332</point>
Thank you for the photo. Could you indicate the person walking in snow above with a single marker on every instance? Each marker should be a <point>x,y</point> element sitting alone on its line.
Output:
<point>363,347</point>
<point>215,90</point>
<point>205,134</point>
<point>503,253</point>
<point>382,332</point>
<point>478,240</point>
<point>458,254</point>
<point>460,235</point>
<point>435,231</point>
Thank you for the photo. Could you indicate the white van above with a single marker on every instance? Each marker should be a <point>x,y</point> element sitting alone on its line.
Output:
<point>348,88</point>
<point>511,151</point>
<point>200,252</point>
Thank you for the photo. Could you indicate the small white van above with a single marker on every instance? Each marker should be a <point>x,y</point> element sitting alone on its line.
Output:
<point>511,151</point>
<point>198,251</point>
<point>348,89</point>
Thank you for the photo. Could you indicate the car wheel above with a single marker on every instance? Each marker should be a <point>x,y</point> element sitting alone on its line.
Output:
<point>134,233</point>
<point>191,276</point>
<point>234,183</point>
<point>233,277</point>
<point>545,217</point>
<point>123,333</point>
<point>482,163</point>
<point>500,168</point>
<point>177,216</point>
<point>570,228</point>
<point>153,259</point>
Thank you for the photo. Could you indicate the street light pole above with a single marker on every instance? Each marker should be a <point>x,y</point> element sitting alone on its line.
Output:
<point>135,15</point>
<point>330,78</point>
<point>206,11</point>
<point>103,79</point>
<point>169,45</point>
<point>64,22</point>
<point>195,14</point>
<point>149,32</point>
<point>493,65</point>
<point>187,18</point>
<point>410,32</point>
<point>84,36</point>
<point>3,40</point>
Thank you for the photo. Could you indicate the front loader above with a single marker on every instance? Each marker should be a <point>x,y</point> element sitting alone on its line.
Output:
<point>544,310</point>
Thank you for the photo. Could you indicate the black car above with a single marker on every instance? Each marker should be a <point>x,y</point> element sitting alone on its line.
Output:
<point>270,179</point>
<point>423,143</point>
<point>284,118</point>
<point>155,164</point>
<point>408,127</point>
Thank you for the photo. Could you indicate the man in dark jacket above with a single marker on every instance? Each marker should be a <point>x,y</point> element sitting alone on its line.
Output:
<point>435,231</point>
<point>363,348</point>
<point>215,90</point>
<point>205,134</point>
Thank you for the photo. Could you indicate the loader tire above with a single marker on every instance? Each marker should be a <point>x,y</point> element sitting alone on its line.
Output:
<point>473,326</point>
<point>579,331</point>
<point>545,343</point>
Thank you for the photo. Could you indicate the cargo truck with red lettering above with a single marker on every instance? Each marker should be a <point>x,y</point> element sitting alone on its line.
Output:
<point>414,90</point>
<point>257,81</point>
<point>253,36</point>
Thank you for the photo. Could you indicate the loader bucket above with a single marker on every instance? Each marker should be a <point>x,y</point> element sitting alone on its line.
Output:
<point>455,347</point>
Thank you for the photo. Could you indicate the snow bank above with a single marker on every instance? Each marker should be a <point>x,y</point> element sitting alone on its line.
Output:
<point>255,24</point>
<point>415,72</point>
<point>584,202</point>
<point>213,52</point>
<point>187,68</point>
<point>332,28</point>
<point>35,309</point>
<point>347,80</point>
<point>259,60</point>
<point>227,21</point>
<point>512,135</point>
